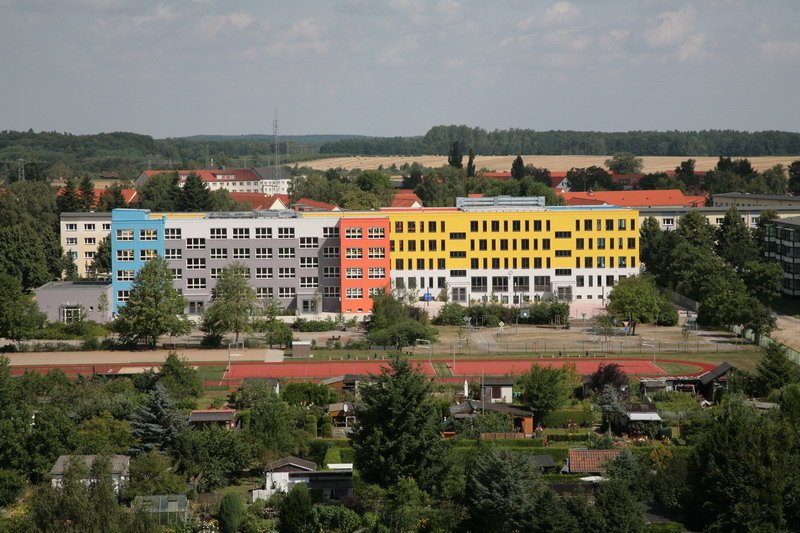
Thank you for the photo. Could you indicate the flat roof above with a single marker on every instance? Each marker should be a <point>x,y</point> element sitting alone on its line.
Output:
<point>71,285</point>
<point>103,215</point>
<point>757,196</point>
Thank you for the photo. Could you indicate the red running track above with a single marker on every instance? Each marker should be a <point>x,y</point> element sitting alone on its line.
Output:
<point>317,370</point>
<point>582,366</point>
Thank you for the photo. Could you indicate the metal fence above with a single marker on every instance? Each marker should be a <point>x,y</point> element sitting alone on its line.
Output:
<point>764,341</point>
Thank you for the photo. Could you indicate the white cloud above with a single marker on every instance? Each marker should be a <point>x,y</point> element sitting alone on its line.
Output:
<point>558,15</point>
<point>692,49</point>
<point>612,39</point>
<point>674,26</point>
<point>566,40</point>
<point>448,7</point>
<point>776,50</point>
<point>240,20</point>
<point>397,53</point>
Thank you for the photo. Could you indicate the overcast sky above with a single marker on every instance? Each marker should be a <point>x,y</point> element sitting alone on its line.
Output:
<point>398,67</point>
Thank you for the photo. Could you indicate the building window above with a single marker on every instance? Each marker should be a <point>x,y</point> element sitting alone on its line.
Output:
<point>623,262</point>
<point>309,242</point>
<point>125,275</point>
<point>478,283</point>
<point>241,253</point>
<point>499,284</point>
<point>89,240</point>
<point>330,251</point>
<point>176,273</point>
<point>286,292</point>
<point>123,296</point>
<point>563,272</point>
<point>263,273</point>
<point>563,253</point>
<point>263,292</point>
<point>377,253</point>
<point>330,232</point>
<point>241,233</point>
<point>309,262</point>
<point>377,273</point>
<point>352,233</point>
<point>219,253</point>
<point>219,233</point>
<point>195,263</point>
<point>601,243</point>
<point>458,236</point>
<point>286,273</point>
<point>376,233</point>
<point>196,244</point>
<point>196,308</point>
<point>330,292</point>
<point>286,233</point>
<point>354,273</point>
<point>601,262</point>
<point>172,253</point>
<point>354,253</point>
<point>88,227</point>
<point>124,255</point>
<point>196,283</point>
<point>563,234</point>
<point>263,233</point>
<point>146,255</point>
<point>122,234</point>
<point>309,283</point>
<point>148,235</point>
<point>621,224</point>
<point>354,293</point>
<point>216,273</point>
<point>72,241</point>
<point>74,227</point>
<point>412,227</point>
<point>263,253</point>
<point>106,226</point>
<point>172,233</point>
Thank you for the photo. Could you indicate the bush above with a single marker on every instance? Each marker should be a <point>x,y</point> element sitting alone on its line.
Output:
<point>452,314</point>
<point>305,325</point>
<point>230,512</point>
<point>333,455</point>
<point>318,450</point>
<point>570,437</point>
<point>11,483</point>
<point>90,344</point>
<point>668,315</point>
<point>334,518</point>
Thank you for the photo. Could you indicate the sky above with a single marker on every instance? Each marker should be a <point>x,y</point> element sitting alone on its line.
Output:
<point>398,67</point>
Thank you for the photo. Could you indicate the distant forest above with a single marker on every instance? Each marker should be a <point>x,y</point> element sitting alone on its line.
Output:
<point>53,155</point>
<point>440,139</point>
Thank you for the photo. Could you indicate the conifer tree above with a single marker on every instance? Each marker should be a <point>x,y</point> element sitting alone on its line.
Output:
<point>157,422</point>
<point>471,163</point>
<point>455,159</point>
<point>775,369</point>
<point>69,201</point>
<point>112,198</point>
<point>295,511</point>
<point>195,196</point>
<point>86,191</point>
<point>518,168</point>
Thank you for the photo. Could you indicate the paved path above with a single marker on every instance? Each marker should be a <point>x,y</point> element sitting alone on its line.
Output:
<point>144,356</point>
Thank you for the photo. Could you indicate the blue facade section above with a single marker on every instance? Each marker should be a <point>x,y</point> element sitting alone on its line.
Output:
<point>134,235</point>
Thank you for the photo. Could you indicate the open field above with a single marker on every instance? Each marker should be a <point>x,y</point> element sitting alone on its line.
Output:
<point>551,162</point>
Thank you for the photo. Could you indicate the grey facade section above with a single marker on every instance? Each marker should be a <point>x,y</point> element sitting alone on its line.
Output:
<point>59,299</point>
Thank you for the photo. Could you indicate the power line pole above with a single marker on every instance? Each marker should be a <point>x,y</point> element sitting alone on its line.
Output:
<point>275,142</point>
<point>21,170</point>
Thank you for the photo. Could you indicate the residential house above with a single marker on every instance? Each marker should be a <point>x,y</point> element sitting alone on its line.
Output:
<point>309,205</point>
<point>499,389</point>
<point>582,461</point>
<point>259,201</point>
<point>768,201</point>
<point>225,418</point>
<point>168,509</point>
<point>522,416</point>
<point>343,415</point>
<point>783,245</point>
<point>81,234</point>
<point>267,180</point>
<point>406,198</point>
<point>328,485</point>
<point>120,468</point>
<point>656,198</point>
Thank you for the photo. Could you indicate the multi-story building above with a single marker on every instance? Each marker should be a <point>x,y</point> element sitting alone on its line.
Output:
<point>668,217</point>
<point>335,261</point>
<point>81,233</point>
<point>267,180</point>
<point>783,245</point>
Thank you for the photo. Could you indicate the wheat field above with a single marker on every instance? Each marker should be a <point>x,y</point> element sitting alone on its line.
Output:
<point>551,162</point>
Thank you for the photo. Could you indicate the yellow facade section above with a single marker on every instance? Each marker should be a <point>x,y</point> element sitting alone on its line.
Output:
<point>558,238</point>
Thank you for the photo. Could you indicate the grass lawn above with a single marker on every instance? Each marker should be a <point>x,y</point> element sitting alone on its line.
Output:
<point>210,372</point>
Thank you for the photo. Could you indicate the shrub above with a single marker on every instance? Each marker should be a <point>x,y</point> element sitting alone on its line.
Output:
<point>452,314</point>
<point>230,512</point>
<point>11,483</point>
<point>305,325</point>
<point>668,315</point>
<point>333,455</point>
<point>565,418</point>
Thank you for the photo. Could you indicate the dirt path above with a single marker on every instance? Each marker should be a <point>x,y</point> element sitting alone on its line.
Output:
<point>153,356</point>
<point>787,331</point>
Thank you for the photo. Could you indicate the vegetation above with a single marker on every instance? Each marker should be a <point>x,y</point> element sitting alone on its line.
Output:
<point>233,306</point>
<point>391,322</point>
<point>544,389</point>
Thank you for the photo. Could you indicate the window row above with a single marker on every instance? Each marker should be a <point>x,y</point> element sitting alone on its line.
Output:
<point>411,226</point>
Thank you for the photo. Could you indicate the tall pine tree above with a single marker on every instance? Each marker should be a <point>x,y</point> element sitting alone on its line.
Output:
<point>455,159</point>
<point>518,168</point>
<point>157,422</point>
<point>195,196</point>
<point>112,198</point>
<point>471,163</point>
<point>86,191</point>
<point>69,201</point>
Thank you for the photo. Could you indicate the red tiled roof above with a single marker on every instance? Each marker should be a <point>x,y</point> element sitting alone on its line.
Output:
<point>475,195</point>
<point>590,461</point>
<point>213,175</point>
<point>668,197</point>
<point>128,194</point>
<point>321,206</point>
<point>502,176</point>
<point>405,198</point>
<point>259,201</point>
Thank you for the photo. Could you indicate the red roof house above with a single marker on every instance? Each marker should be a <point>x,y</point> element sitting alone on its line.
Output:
<point>406,198</point>
<point>259,201</point>
<point>658,198</point>
<point>590,461</point>
<point>307,204</point>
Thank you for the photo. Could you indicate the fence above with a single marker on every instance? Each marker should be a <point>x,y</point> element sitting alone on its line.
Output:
<point>765,341</point>
<point>680,300</point>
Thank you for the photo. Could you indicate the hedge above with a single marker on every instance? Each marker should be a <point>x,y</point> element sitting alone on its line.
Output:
<point>570,437</point>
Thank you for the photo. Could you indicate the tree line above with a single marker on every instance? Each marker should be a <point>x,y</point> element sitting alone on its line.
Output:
<point>439,140</point>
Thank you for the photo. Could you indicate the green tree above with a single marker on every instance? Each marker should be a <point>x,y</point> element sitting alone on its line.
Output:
<point>390,323</point>
<point>112,198</point>
<point>181,380</point>
<point>154,308</point>
<point>794,178</point>
<point>763,280</point>
<point>734,241</point>
<point>275,427</point>
<point>160,193</point>
<point>775,370</point>
<point>101,264</point>
<point>610,404</point>
<point>502,490</point>
<point>69,201</point>
<point>104,435</point>
<point>22,255</point>
<point>619,510</point>
<point>230,512</point>
<point>471,164</point>
<point>295,511</point>
<point>221,201</point>
<point>455,159</point>
<point>195,195</point>
<point>86,193</point>
<point>625,163</point>
<point>695,228</point>
<point>157,422</point>
<point>397,434</point>
<point>306,393</point>
<point>518,168</point>
<point>153,473</point>
<point>544,389</point>
<point>215,455</point>
<point>234,303</point>
<point>11,484</point>
<point>636,299</point>
<point>360,201</point>
<point>767,217</point>
<point>19,315</point>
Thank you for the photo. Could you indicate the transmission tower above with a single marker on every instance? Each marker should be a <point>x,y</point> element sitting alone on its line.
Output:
<point>21,170</point>
<point>275,142</point>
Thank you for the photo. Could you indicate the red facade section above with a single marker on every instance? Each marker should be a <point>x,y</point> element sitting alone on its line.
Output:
<point>364,252</point>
